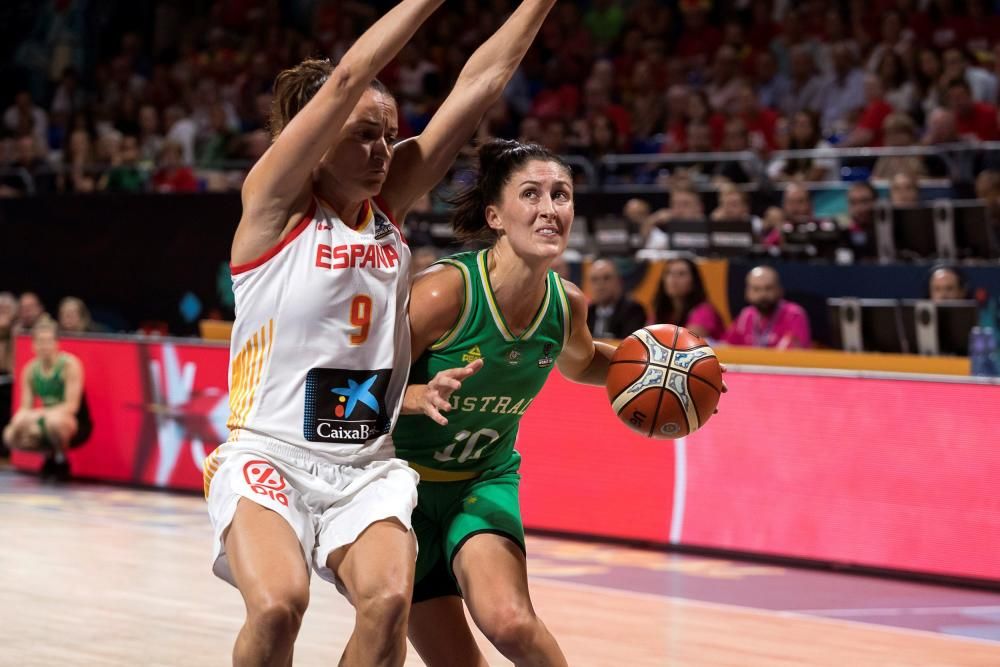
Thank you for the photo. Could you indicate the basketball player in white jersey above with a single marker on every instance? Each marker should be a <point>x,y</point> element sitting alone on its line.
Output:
<point>320,346</point>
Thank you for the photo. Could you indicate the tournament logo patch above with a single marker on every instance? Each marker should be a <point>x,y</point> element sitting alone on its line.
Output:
<point>546,359</point>
<point>345,405</point>
<point>383,227</point>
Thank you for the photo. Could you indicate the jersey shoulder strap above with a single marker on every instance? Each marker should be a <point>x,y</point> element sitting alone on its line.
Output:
<point>466,264</point>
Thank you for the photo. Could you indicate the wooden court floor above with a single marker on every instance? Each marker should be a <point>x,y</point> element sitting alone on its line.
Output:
<point>93,575</point>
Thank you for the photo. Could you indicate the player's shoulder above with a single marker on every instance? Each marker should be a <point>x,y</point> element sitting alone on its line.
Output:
<point>575,295</point>
<point>439,286</point>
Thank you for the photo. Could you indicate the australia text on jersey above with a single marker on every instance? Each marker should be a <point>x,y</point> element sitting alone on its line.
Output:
<point>502,406</point>
<point>356,255</point>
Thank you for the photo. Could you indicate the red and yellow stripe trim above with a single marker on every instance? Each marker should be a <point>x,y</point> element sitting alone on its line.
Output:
<point>247,370</point>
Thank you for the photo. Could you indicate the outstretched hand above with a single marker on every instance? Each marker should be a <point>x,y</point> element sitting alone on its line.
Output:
<point>434,398</point>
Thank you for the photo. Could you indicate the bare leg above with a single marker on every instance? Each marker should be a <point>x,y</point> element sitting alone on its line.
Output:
<point>493,576</point>
<point>441,635</point>
<point>377,570</point>
<point>267,563</point>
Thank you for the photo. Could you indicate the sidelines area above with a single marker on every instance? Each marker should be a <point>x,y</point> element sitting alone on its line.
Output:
<point>105,544</point>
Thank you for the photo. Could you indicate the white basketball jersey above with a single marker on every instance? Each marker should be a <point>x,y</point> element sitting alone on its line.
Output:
<point>320,351</point>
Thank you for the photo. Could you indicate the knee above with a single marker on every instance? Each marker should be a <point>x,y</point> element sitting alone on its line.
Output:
<point>387,608</point>
<point>278,615</point>
<point>511,628</point>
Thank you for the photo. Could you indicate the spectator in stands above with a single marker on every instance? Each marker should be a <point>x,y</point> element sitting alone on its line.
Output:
<point>988,190</point>
<point>760,121</point>
<point>23,115</point>
<point>27,174</point>
<point>80,168</point>
<point>900,92</point>
<point>903,190</point>
<point>611,313</point>
<point>941,128</point>
<point>982,84</point>
<point>927,78</point>
<point>53,414</point>
<point>973,120</point>
<point>804,135</point>
<point>843,90</point>
<point>796,204</point>
<point>150,139</point>
<point>681,300</point>
<point>773,87</point>
<point>734,205</point>
<point>806,90</point>
<point>899,131</point>
<point>125,174</point>
<point>685,204</point>
<point>172,175</point>
<point>769,320</point>
<point>725,81</point>
<point>868,130</point>
<point>181,130</point>
<point>644,101</point>
<point>859,225</point>
<point>74,317</point>
<point>30,312</point>
<point>735,139</point>
<point>217,142</point>
<point>946,283</point>
<point>597,103</point>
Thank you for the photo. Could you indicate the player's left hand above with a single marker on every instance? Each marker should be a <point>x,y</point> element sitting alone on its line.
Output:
<point>435,396</point>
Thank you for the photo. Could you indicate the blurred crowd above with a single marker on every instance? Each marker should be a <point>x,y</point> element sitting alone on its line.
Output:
<point>175,97</point>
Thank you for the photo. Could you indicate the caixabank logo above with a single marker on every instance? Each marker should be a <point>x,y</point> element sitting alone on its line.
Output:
<point>346,405</point>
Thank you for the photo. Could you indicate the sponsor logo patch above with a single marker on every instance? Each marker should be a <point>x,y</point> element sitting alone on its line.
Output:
<point>346,405</point>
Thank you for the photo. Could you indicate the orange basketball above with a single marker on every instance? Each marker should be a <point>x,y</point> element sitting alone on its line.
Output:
<point>664,382</point>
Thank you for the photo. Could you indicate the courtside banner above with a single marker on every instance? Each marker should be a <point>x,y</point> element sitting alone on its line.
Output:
<point>888,473</point>
<point>158,408</point>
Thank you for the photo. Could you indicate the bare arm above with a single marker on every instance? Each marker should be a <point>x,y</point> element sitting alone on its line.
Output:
<point>74,384</point>
<point>583,359</point>
<point>436,301</point>
<point>27,396</point>
<point>275,185</point>
<point>419,163</point>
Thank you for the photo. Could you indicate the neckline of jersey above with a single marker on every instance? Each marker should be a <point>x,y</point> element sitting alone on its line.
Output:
<point>365,215</point>
<point>498,318</point>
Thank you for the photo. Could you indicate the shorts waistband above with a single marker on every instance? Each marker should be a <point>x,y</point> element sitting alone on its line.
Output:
<point>435,475</point>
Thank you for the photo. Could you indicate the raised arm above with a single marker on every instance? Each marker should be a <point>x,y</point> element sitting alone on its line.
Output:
<point>419,163</point>
<point>583,359</point>
<point>278,179</point>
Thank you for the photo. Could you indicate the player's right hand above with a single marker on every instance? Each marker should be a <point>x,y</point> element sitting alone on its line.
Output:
<point>438,391</point>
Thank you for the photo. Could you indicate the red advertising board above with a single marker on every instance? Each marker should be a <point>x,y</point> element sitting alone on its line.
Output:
<point>158,409</point>
<point>887,473</point>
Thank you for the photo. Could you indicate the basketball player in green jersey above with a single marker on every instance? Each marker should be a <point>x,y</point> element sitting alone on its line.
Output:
<point>54,380</point>
<point>501,308</point>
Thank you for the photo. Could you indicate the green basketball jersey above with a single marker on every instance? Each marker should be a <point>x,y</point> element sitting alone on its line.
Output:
<point>50,389</point>
<point>486,411</point>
